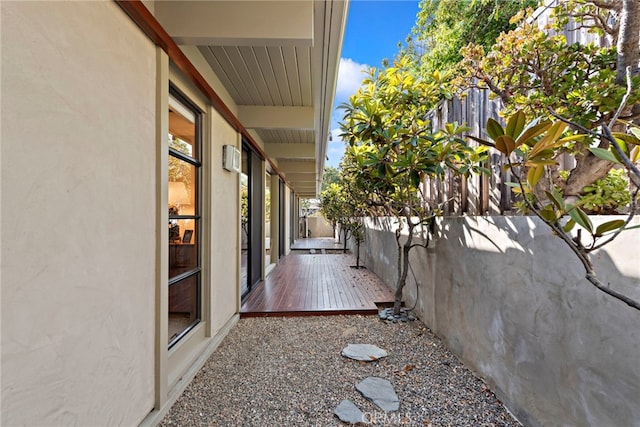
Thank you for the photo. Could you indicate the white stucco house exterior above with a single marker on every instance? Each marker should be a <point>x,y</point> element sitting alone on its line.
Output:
<point>123,260</point>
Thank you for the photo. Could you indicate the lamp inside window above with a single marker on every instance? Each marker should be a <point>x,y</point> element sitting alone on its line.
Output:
<point>179,201</point>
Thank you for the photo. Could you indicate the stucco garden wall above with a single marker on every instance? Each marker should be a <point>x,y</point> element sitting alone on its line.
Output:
<point>78,202</point>
<point>511,301</point>
<point>320,227</point>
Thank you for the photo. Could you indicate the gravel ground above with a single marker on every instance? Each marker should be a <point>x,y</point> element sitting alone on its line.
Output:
<point>289,371</point>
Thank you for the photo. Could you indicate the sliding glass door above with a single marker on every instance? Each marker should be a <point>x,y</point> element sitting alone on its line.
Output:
<point>252,200</point>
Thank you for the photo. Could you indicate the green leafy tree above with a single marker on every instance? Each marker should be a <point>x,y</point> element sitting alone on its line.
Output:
<point>331,204</point>
<point>444,27</point>
<point>536,71</point>
<point>608,195</point>
<point>344,204</point>
<point>392,151</point>
<point>331,175</point>
<point>354,210</point>
<point>535,147</point>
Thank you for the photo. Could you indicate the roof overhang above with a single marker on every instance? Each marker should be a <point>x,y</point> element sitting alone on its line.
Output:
<point>278,61</point>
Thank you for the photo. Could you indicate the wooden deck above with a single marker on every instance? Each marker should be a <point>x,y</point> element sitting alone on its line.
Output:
<point>305,285</point>
<point>317,243</point>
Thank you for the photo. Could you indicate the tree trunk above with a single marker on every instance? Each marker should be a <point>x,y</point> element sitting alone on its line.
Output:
<point>588,170</point>
<point>358,253</point>
<point>345,232</point>
<point>628,39</point>
<point>403,270</point>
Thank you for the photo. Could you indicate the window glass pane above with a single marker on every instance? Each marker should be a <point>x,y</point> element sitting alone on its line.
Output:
<point>184,217</point>
<point>183,306</point>
<point>267,219</point>
<point>182,128</point>
<point>183,250</point>
<point>182,187</point>
<point>244,221</point>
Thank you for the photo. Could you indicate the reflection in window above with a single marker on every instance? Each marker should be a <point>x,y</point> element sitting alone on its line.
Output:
<point>184,217</point>
<point>267,219</point>
<point>244,221</point>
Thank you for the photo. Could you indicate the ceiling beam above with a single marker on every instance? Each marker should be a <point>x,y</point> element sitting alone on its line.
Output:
<point>304,190</point>
<point>293,176</point>
<point>238,23</point>
<point>290,151</point>
<point>276,117</point>
<point>297,167</point>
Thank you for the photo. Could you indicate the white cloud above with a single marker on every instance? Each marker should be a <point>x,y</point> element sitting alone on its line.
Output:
<point>335,149</point>
<point>335,134</point>
<point>350,75</point>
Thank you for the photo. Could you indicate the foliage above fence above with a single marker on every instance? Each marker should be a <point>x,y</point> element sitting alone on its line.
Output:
<point>541,69</point>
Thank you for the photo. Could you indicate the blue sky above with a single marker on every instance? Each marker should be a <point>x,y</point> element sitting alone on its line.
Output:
<point>374,28</point>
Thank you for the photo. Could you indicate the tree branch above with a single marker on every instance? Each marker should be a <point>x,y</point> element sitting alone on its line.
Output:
<point>632,213</point>
<point>573,245</point>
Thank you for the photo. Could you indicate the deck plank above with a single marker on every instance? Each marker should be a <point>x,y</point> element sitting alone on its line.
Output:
<point>306,284</point>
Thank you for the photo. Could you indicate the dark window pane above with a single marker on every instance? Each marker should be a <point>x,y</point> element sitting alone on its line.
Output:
<point>183,250</point>
<point>183,306</point>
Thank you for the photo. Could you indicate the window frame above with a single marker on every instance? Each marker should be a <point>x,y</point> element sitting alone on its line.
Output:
<point>195,161</point>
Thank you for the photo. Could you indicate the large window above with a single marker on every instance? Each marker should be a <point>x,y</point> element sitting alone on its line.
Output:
<point>245,201</point>
<point>267,219</point>
<point>184,216</point>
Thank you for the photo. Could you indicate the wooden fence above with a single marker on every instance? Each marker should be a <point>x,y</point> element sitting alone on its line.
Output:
<point>480,195</point>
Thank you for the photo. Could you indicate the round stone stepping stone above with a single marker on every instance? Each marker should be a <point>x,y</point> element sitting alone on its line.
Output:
<point>364,352</point>
<point>349,413</point>
<point>380,392</point>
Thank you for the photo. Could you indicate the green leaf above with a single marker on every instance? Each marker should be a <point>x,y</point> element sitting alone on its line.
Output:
<point>556,198</point>
<point>415,178</point>
<point>515,187</point>
<point>382,170</point>
<point>579,216</point>
<point>548,213</point>
<point>604,154</point>
<point>532,131</point>
<point>494,129</point>
<point>550,139</point>
<point>629,139</point>
<point>609,226</point>
<point>541,155</point>
<point>482,141</point>
<point>515,125</point>
<point>569,225</point>
<point>389,169</point>
<point>636,131</point>
<point>534,174</point>
<point>570,138</point>
<point>623,147</point>
<point>505,144</point>
<point>449,128</point>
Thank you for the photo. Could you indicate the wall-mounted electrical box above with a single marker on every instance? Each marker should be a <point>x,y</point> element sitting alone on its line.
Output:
<point>230,158</point>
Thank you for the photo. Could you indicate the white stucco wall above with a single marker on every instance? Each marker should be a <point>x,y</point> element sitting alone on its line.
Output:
<point>319,226</point>
<point>225,226</point>
<point>78,208</point>
<point>511,300</point>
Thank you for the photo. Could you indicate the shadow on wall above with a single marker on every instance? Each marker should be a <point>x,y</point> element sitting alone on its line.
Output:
<point>511,300</point>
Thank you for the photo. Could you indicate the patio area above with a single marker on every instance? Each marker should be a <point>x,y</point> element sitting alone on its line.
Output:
<point>289,372</point>
<point>316,243</point>
<point>317,284</point>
